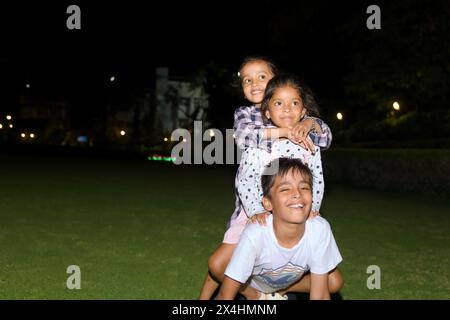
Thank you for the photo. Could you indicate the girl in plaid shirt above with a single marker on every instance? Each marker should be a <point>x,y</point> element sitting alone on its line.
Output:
<point>251,130</point>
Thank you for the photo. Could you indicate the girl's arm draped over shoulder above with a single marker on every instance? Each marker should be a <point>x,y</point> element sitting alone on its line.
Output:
<point>250,131</point>
<point>321,140</point>
<point>248,128</point>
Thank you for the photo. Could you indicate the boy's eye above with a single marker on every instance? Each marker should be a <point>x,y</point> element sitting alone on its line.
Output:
<point>246,81</point>
<point>277,103</point>
<point>262,77</point>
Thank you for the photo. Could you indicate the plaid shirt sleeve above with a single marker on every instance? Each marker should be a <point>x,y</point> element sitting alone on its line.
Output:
<point>321,140</point>
<point>248,128</point>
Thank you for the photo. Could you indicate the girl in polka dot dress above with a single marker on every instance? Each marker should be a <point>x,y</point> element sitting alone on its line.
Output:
<point>286,101</point>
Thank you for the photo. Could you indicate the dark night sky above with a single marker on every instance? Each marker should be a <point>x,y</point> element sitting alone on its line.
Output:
<point>128,39</point>
<point>134,37</point>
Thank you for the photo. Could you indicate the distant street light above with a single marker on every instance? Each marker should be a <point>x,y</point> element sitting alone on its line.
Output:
<point>396,106</point>
<point>112,78</point>
<point>27,86</point>
<point>122,133</point>
<point>1,126</point>
<point>8,117</point>
<point>32,135</point>
<point>23,135</point>
<point>339,116</point>
<point>11,126</point>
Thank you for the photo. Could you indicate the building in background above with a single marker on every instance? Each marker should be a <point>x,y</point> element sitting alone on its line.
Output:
<point>126,118</point>
<point>178,103</point>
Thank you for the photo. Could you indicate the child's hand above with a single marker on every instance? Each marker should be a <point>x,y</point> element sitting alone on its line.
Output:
<point>301,130</point>
<point>314,214</point>
<point>299,135</point>
<point>306,144</point>
<point>260,218</point>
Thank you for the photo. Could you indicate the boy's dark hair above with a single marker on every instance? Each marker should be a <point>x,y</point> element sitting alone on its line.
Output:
<point>305,93</point>
<point>285,165</point>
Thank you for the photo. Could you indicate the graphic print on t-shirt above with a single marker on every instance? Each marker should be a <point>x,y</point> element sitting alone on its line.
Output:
<point>282,277</point>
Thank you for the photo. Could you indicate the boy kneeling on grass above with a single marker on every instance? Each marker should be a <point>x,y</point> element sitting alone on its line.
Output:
<point>270,260</point>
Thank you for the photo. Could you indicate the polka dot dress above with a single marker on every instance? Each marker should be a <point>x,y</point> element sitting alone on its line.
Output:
<point>253,162</point>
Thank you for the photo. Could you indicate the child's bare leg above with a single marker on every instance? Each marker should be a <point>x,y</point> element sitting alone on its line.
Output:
<point>335,283</point>
<point>217,264</point>
<point>219,260</point>
<point>209,286</point>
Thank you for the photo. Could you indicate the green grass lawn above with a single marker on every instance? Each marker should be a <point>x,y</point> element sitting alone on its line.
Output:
<point>144,230</point>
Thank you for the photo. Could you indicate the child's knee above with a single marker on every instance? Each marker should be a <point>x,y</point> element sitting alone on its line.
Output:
<point>215,265</point>
<point>335,282</point>
<point>218,261</point>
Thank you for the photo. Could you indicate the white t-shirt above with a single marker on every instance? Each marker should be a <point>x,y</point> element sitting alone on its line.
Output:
<point>271,267</point>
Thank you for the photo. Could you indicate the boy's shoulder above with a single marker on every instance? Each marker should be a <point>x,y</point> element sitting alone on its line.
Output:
<point>318,225</point>
<point>255,232</point>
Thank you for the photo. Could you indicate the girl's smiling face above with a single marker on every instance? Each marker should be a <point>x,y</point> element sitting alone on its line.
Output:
<point>254,77</point>
<point>285,107</point>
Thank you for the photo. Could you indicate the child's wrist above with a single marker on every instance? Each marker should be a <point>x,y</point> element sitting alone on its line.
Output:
<point>313,126</point>
<point>284,132</point>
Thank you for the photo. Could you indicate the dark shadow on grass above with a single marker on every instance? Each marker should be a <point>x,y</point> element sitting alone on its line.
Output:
<point>291,296</point>
<point>305,296</point>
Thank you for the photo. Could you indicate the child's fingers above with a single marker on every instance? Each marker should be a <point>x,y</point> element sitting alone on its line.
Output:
<point>310,145</point>
<point>262,220</point>
<point>299,133</point>
<point>302,137</point>
<point>314,214</point>
<point>303,134</point>
<point>302,144</point>
<point>298,129</point>
<point>294,140</point>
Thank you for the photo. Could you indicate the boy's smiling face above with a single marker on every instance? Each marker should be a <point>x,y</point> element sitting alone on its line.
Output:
<point>290,198</point>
